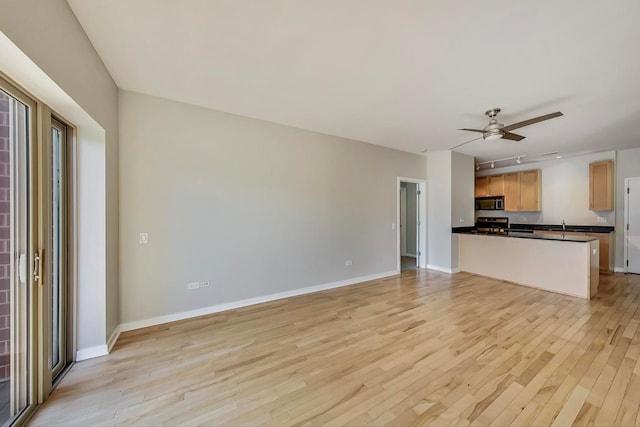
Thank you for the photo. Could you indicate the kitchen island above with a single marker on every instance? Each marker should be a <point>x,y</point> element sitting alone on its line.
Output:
<point>560,263</point>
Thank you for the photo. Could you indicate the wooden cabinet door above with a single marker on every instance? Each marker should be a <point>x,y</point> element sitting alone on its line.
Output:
<point>601,186</point>
<point>482,186</point>
<point>511,192</point>
<point>496,185</point>
<point>530,183</point>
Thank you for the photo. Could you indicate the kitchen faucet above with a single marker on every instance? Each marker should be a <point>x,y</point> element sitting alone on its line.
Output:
<point>564,226</point>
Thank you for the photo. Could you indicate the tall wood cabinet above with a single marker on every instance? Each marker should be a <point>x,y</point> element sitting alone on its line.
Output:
<point>601,186</point>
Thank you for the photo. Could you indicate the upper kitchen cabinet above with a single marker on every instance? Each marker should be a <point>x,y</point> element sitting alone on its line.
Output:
<point>511,192</point>
<point>530,190</point>
<point>496,185</point>
<point>522,191</point>
<point>487,186</point>
<point>482,186</point>
<point>601,186</point>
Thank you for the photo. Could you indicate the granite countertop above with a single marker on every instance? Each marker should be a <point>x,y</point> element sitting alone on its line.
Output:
<point>514,234</point>
<point>552,227</point>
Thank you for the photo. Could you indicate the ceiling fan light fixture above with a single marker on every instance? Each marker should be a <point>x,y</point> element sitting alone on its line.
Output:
<point>492,135</point>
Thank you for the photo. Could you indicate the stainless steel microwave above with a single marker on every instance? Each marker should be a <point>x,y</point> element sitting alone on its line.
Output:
<point>490,203</point>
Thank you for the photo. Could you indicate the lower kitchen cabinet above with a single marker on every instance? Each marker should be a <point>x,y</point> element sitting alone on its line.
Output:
<point>606,250</point>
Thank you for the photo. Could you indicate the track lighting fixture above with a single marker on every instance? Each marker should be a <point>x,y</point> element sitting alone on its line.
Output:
<point>492,163</point>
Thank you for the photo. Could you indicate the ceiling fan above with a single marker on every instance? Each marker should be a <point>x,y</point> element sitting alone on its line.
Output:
<point>496,130</point>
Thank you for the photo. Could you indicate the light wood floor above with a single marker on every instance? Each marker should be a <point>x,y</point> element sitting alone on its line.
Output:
<point>423,348</point>
<point>407,263</point>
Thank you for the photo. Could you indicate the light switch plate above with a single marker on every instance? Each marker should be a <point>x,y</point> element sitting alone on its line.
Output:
<point>143,239</point>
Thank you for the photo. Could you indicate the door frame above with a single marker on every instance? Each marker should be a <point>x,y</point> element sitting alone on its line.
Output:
<point>421,237</point>
<point>626,222</point>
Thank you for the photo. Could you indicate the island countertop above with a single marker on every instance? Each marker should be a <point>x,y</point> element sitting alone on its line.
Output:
<point>541,261</point>
<point>559,237</point>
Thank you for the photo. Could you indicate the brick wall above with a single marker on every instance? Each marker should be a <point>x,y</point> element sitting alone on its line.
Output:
<point>5,247</point>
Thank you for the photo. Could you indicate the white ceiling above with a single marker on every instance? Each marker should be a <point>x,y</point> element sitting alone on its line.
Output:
<point>404,74</point>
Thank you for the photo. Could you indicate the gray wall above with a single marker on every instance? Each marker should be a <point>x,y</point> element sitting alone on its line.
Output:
<point>627,166</point>
<point>462,197</point>
<point>439,210</point>
<point>253,207</point>
<point>450,186</point>
<point>48,32</point>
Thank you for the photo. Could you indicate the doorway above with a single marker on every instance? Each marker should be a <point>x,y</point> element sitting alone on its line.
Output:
<point>411,208</point>
<point>408,225</point>
<point>632,225</point>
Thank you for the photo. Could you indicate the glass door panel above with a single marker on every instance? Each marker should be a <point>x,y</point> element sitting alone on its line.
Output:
<point>15,282</point>
<point>58,243</point>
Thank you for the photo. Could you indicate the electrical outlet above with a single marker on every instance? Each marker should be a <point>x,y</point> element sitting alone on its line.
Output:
<point>204,284</point>
<point>348,263</point>
<point>460,219</point>
<point>193,285</point>
<point>143,238</point>
<point>602,219</point>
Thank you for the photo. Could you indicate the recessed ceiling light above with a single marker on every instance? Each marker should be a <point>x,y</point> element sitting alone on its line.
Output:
<point>424,150</point>
<point>558,157</point>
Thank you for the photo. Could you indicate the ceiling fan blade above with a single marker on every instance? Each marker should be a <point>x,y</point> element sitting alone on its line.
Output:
<point>473,130</point>
<point>465,143</point>
<point>512,136</point>
<point>531,121</point>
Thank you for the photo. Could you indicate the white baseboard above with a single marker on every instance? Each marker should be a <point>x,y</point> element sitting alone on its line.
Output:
<point>91,352</point>
<point>619,270</point>
<point>113,338</point>
<point>443,269</point>
<point>137,324</point>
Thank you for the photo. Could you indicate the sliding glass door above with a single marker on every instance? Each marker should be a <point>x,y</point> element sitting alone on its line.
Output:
<point>17,289</point>
<point>35,290</point>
